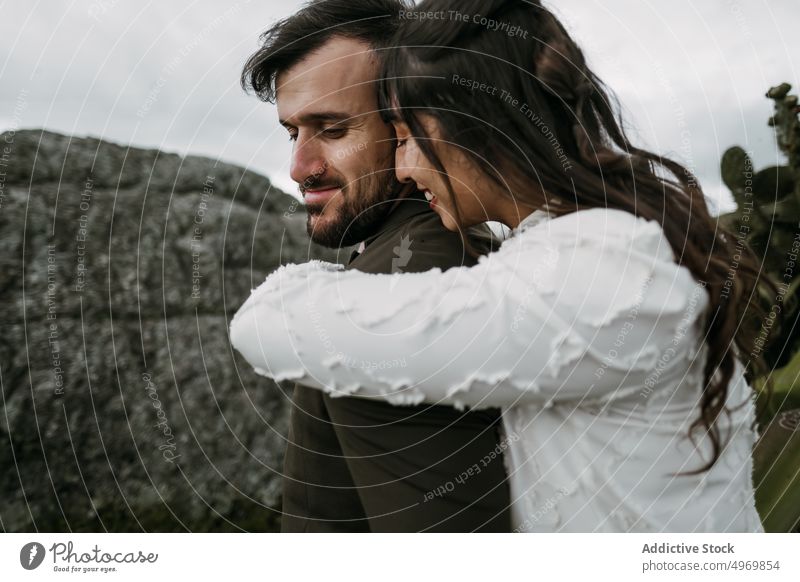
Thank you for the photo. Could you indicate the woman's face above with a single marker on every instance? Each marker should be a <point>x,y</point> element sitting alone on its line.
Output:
<point>475,194</point>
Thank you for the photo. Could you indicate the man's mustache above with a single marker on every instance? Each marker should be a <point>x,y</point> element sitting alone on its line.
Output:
<point>315,184</point>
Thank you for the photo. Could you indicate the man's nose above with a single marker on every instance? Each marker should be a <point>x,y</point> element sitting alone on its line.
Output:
<point>308,163</point>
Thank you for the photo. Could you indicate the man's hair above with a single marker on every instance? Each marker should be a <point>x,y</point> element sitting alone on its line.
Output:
<point>290,40</point>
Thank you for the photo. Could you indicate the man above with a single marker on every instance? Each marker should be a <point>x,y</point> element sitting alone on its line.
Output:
<point>354,464</point>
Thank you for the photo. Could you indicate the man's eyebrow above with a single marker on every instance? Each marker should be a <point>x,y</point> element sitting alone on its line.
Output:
<point>317,118</point>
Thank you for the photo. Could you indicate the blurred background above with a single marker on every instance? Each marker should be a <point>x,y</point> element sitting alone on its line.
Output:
<point>142,196</point>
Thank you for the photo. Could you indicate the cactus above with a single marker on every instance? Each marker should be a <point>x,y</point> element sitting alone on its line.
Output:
<point>767,217</point>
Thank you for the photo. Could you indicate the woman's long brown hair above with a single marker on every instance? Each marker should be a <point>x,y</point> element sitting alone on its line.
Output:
<point>511,88</point>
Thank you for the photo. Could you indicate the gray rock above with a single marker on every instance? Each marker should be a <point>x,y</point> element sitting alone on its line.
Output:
<point>124,407</point>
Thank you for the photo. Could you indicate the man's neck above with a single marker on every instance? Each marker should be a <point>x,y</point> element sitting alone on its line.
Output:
<point>409,203</point>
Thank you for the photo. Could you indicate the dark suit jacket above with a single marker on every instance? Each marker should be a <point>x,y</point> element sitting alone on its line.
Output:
<point>359,465</point>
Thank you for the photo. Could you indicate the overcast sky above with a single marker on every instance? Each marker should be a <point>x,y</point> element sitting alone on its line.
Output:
<point>691,74</point>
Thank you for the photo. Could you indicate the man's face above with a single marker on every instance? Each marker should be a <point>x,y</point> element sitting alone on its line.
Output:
<point>343,152</point>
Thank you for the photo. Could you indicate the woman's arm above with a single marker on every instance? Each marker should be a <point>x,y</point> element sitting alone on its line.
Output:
<point>574,308</point>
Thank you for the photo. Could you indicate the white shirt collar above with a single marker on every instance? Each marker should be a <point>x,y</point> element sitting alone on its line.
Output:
<point>534,218</point>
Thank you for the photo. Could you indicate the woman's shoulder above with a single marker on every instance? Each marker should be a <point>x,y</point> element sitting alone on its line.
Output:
<point>604,227</point>
<point>593,220</point>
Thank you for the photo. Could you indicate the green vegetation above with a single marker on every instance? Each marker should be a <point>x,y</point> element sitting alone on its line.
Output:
<point>767,218</point>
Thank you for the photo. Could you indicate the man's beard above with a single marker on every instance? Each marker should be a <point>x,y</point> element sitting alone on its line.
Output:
<point>365,203</point>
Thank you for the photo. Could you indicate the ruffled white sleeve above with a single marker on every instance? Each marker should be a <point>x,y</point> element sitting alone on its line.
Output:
<point>580,307</point>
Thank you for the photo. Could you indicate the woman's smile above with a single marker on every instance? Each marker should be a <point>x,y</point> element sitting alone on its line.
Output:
<point>429,196</point>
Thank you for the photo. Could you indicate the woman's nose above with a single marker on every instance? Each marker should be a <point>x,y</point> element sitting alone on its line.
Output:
<point>401,168</point>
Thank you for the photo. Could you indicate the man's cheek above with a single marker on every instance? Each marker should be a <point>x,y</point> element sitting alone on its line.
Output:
<point>334,205</point>
<point>348,150</point>
<point>382,153</point>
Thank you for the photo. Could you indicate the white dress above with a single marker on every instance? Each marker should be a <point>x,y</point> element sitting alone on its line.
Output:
<point>582,328</point>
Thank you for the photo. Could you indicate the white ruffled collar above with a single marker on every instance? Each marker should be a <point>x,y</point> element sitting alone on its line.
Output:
<point>534,218</point>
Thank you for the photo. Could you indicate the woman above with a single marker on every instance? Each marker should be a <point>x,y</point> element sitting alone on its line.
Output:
<point>605,327</point>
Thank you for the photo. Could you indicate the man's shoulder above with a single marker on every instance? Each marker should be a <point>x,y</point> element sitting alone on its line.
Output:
<point>418,244</point>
